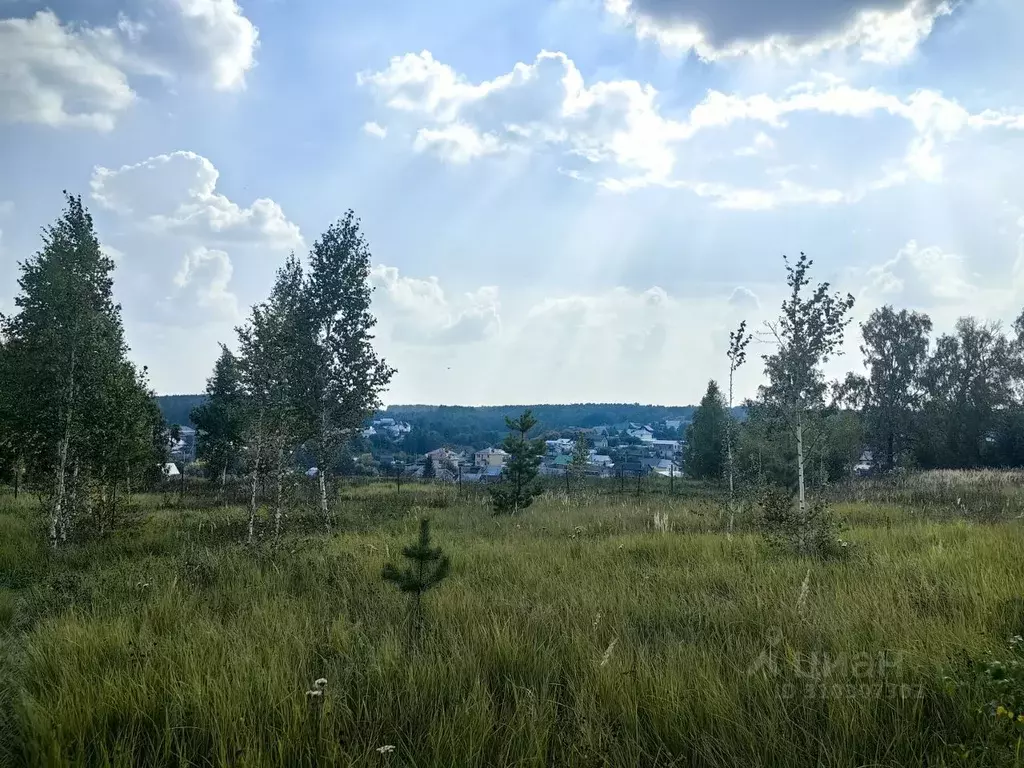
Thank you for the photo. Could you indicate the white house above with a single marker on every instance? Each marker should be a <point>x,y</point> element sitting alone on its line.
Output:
<point>644,433</point>
<point>369,432</point>
<point>490,458</point>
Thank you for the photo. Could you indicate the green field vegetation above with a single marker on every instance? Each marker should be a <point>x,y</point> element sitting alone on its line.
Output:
<point>583,632</point>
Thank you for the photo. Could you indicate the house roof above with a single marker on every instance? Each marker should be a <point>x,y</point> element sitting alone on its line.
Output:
<point>562,461</point>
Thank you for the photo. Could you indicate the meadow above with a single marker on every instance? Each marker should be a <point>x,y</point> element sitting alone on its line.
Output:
<point>603,629</point>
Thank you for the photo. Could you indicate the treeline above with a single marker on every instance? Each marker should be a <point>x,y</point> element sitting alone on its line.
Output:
<point>478,427</point>
<point>922,402</point>
<point>78,422</point>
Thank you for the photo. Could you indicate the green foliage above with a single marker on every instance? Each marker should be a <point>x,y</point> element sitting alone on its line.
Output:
<point>704,457</point>
<point>219,419</point>
<point>895,350</point>
<point>813,533</point>
<point>428,567</point>
<point>518,485</point>
<point>429,472</point>
<point>580,457</point>
<point>76,414</point>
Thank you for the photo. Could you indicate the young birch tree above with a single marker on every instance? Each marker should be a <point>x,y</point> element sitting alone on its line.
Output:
<point>342,376</point>
<point>807,334</point>
<point>737,355</point>
<point>269,344</point>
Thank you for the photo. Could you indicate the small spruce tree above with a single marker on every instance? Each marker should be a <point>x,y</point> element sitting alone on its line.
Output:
<point>429,472</point>
<point>428,566</point>
<point>519,478</point>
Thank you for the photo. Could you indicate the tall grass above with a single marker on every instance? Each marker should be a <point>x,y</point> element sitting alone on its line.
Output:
<point>579,633</point>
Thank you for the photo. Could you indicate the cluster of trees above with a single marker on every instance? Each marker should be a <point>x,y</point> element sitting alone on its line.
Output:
<point>78,422</point>
<point>305,377</point>
<point>953,402</point>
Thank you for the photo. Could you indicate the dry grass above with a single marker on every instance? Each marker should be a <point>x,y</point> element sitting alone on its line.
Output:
<point>576,634</point>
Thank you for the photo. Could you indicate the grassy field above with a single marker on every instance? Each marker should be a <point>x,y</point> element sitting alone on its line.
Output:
<point>579,633</point>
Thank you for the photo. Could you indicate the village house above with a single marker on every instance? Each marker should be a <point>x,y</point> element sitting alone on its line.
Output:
<point>490,458</point>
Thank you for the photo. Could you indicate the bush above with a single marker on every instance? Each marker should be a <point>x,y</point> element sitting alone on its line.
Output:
<point>815,534</point>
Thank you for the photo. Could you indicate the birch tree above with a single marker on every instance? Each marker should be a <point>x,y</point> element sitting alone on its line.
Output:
<point>63,346</point>
<point>807,334</point>
<point>737,356</point>
<point>269,344</point>
<point>342,375</point>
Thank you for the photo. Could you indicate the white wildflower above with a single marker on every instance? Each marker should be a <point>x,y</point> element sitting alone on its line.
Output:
<point>386,749</point>
<point>608,652</point>
<point>314,695</point>
<point>320,682</point>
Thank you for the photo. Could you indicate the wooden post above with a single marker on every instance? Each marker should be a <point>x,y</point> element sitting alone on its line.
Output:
<point>639,473</point>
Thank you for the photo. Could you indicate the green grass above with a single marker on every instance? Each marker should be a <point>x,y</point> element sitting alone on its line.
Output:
<point>574,634</point>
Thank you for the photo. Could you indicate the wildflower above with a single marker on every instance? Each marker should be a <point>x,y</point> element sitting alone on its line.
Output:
<point>386,749</point>
<point>608,652</point>
<point>320,682</point>
<point>1020,718</point>
<point>805,589</point>
<point>316,695</point>
<point>1000,710</point>
<point>597,620</point>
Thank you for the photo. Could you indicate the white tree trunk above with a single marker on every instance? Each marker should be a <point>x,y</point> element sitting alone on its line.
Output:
<point>58,497</point>
<point>277,490</point>
<point>323,497</point>
<point>800,478</point>
<point>255,478</point>
<point>728,448</point>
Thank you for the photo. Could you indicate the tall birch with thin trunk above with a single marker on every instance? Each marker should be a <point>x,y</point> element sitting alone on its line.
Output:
<point>341,375</point>
<point>269,345</point>
<point>807,334</point>
<point>737,354</point>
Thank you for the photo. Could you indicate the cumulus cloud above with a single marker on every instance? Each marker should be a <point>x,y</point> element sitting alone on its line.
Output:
<point>177,235</point>
<point>881,31</point>
<point>201,283</point>
<point>177,193</point>
<point>56,75</point>
<point>618,130</point>
<point>375,129</point>
<point>744,298</point>
<point>419,312</point>
<point>924,276</point>
<point>73,73</point>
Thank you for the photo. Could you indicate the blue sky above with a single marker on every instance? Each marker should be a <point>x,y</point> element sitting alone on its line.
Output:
<point>566,200</point>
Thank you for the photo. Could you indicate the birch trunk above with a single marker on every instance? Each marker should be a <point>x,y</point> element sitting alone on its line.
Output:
<point>255,479</point>
<point>277,491</point>
<point>800,479</point>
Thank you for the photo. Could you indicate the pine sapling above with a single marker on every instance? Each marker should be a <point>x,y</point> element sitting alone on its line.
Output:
<point>428,566</point>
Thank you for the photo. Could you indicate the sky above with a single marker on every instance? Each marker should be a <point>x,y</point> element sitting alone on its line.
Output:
<point>566,200</point>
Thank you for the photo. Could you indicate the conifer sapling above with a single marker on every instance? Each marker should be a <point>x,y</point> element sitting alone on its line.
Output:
<point>428,566</point>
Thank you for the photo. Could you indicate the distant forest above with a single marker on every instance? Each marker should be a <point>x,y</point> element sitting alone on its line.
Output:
<point>480,426</point>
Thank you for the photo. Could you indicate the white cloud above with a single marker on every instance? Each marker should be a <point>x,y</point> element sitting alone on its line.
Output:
<point>880,31</point>
<point>375,129</point>
<point>923,276</point>
<point>202,283</point>
<point>458,143</point>
<point>744,298</point>
<point>761,144</point>
<point>169,205</point>
<point>619,129</point>
<point>60,76</point>
<point>177,193</point>
<point>418,311</point>
<point>69,73</point>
